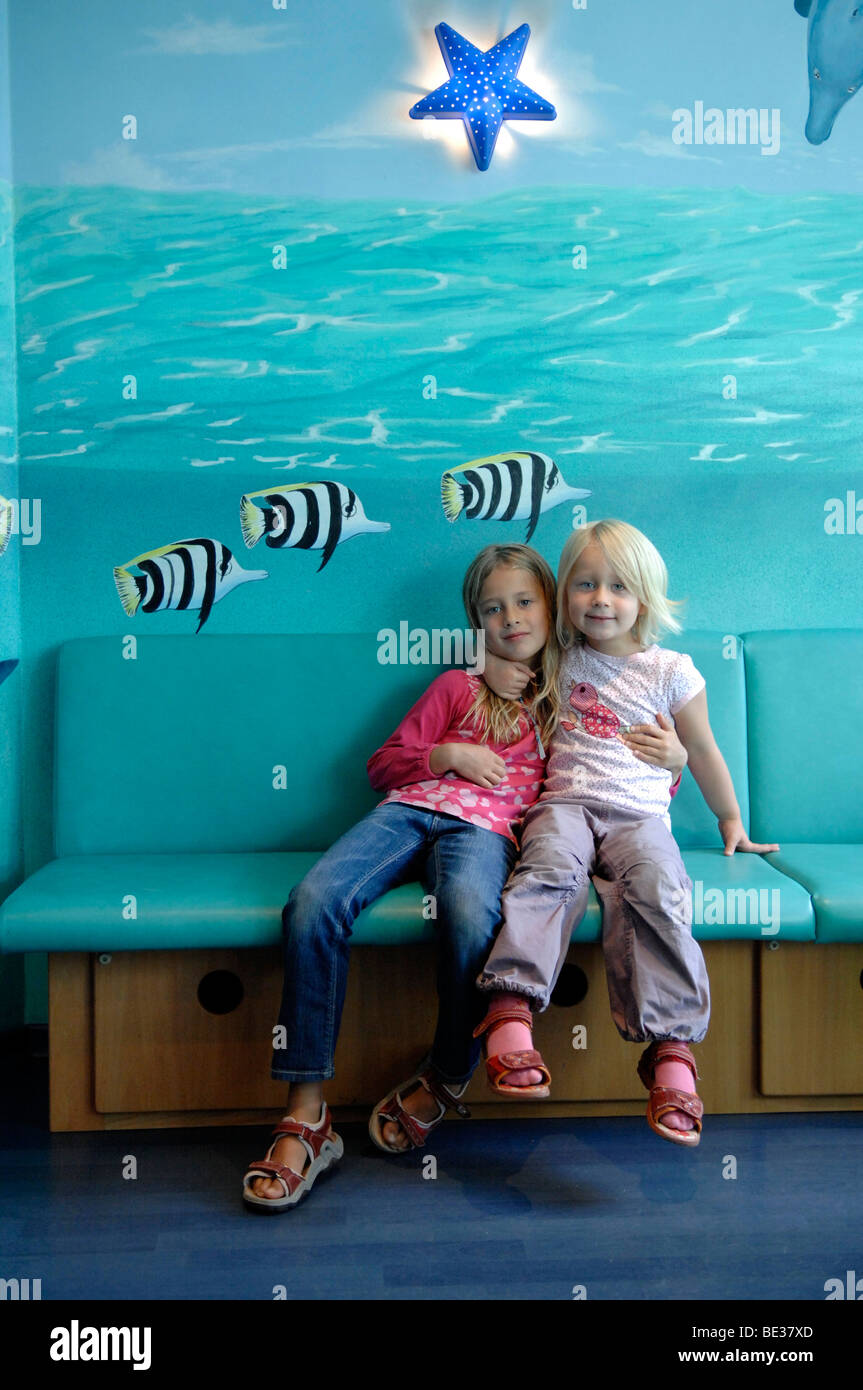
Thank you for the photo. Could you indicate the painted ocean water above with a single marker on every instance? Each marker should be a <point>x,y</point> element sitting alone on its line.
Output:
<point>412,338</point>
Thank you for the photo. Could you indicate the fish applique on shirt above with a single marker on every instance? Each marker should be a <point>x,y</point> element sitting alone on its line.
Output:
<point>594,718</point>
<point>608,695</point>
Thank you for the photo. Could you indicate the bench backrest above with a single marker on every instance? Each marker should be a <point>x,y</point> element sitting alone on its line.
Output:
<point>176,750</point>
<point>805,728</point>
<point>720,659</point>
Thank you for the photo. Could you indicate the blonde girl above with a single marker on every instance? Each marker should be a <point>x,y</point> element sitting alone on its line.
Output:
<point>604,814</point>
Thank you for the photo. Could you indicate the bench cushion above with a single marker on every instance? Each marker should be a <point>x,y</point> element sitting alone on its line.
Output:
<point>228,900</point>
<point>734,898</point>
<point>833,876</point>
<point>182,901</point>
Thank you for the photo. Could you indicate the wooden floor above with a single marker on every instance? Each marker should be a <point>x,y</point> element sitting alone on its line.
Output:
<point>519,1208</point>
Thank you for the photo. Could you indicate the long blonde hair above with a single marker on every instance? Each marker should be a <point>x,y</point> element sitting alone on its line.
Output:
<point>493,718</point>
<point>638,563</point>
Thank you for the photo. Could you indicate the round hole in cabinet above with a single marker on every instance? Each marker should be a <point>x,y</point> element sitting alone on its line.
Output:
<point>571,987</point>
<point>220,992</point>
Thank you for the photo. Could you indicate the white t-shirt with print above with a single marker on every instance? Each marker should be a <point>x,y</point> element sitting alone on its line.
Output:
<point>599,695</point>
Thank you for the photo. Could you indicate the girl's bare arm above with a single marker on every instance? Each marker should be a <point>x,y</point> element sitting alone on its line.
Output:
<point>709,769</point>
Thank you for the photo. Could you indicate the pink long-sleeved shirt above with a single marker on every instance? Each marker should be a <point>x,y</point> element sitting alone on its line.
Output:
<point>400,766</point>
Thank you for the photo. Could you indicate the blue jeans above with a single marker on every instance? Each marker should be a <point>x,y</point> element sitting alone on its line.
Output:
<point>464,866</point>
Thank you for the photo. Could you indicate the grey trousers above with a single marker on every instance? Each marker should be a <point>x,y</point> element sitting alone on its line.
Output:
<point>657,979</point>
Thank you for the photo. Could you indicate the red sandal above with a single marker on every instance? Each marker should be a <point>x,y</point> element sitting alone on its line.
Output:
<point>417,1130</point>
<point>499,1067</point>
<point>324,1148</point>
<point>665,1098</point>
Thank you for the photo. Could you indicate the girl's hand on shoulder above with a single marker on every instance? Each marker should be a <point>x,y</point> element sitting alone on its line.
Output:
<point>508,679</point>
<point>657,744</point>
<point>476,762</point>
<point>735,837</point>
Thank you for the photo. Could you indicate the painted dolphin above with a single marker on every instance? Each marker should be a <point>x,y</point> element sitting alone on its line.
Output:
<point>835,57</point>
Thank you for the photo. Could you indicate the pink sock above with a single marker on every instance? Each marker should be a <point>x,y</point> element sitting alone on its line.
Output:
<point>512,1036</point>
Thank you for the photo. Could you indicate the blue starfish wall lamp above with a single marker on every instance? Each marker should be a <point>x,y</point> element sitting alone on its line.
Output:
<point>483,89</point>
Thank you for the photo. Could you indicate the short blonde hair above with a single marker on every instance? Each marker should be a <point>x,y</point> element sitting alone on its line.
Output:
<point>498,719</point>
<point>639,565</point>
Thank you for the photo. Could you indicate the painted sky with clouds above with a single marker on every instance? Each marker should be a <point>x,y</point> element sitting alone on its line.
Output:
<point>312,100</point>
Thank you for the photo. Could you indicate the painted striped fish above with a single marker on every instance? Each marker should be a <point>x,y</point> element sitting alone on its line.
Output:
<point>5,522</point>
<point>506,487</point>
<point>306,516</point>
<point>187,574</point>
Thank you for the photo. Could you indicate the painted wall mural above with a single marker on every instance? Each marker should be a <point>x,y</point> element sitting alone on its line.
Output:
<point>835,58</point>
<point>308,516</point>
<point>337,324</point>
<point>186,574</point>
<point>6,518</point>
<point>507,487</point>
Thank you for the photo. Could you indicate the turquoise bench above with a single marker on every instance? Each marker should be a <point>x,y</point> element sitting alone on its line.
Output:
<point>197,783</point>
<point>805,715</point>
